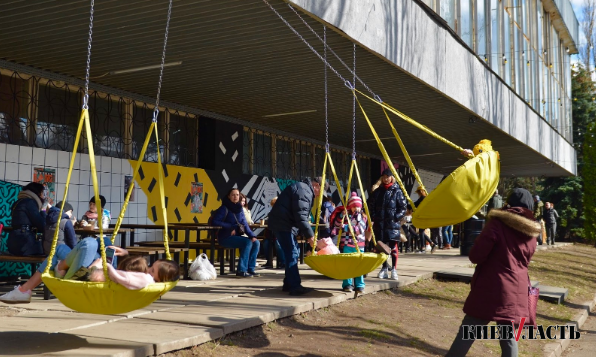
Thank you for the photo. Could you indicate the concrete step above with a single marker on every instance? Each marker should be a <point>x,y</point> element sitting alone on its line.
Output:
<point>463,275</point>
<point>552,293</point>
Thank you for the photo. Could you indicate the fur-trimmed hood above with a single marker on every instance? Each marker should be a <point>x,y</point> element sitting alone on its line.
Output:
<point>514,218</point>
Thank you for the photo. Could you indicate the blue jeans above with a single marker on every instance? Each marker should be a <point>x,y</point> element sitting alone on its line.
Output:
<point>248,251</point>
<point>448,234</point>
<point>290,247</point>
<point>359,281</point>
<point>82,255</point>
<point>267,249</point>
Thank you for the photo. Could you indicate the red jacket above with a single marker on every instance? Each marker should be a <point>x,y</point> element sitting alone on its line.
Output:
<point>502,252</point>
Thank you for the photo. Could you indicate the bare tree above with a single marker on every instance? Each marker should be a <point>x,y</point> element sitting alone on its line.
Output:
<point>588,26</point>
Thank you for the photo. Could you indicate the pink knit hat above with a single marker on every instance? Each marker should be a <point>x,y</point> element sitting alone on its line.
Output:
<point>354,201</point>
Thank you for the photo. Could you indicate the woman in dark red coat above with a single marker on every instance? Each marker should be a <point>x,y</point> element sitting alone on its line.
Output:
<point>499,288</point>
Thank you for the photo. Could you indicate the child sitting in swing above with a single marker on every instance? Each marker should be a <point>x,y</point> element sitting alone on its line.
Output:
<point>359,223</point>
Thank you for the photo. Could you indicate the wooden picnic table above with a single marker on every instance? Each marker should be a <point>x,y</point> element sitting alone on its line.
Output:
<point>108,232</point>
<point>176,227</point>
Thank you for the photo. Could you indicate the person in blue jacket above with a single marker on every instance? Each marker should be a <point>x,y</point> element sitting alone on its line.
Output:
<point>28,219</point>
<point>230,217</point>
<point>289,218</point>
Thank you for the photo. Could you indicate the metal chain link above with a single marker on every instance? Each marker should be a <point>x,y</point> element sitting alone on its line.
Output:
<point>163,60</point>
<point>326,100</point>
<point>354,108</point>
<point>86,96</point>
<point>346,82</point>
<point>333,52</point>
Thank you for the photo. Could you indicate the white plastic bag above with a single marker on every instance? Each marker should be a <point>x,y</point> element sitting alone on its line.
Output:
<point>202,269</point>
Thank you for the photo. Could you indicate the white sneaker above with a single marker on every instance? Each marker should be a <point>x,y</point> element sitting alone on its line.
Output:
<point>383,274</point>
<point>57,272</point>
<point>16,297</point>
<point>394,274</point>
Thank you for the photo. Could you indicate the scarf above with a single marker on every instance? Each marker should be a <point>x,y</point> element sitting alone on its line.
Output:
<point>91,215</point>
<point>29,194</point>
<point>388,185</point>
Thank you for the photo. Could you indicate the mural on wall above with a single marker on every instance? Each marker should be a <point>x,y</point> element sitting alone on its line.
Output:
<point>46,177</point>
<point>8,195</point>
<point>260,190</point>
<point>196,192</point>
<point>177,181</point>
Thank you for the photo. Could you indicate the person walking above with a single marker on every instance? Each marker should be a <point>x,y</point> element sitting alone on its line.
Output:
<point>289,218</point>
<point>499,287</point>
<point>550,222</point>
<point>495,202</point>
<point>387,206</point>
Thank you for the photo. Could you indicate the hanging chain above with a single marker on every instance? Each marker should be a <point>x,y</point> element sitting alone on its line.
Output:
<point>86,96</point>
<point>354,108</point>
<point>163,60</point>
<point>335,54</point>
<point>346,82</point>
<point>326,100</point>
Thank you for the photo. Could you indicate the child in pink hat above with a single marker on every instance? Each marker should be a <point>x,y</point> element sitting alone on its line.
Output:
<point>359,223</point>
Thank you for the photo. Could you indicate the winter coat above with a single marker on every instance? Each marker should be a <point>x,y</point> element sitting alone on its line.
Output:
<point>292,210</point>
<point>27,219</point>
<point>229,215</point>
<point>359,224</point>
<point>502,252</point>
<point>387,206</point>
<point>66,234</point>
<point>550,216</point>
<point>324,224</point>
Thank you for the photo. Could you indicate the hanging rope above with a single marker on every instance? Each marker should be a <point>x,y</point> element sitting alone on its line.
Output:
<point>86,96</point>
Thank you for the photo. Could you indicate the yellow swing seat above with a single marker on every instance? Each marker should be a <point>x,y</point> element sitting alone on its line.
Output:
<point>461,194</point>
<point>107,298</point>
<point>345,265</point>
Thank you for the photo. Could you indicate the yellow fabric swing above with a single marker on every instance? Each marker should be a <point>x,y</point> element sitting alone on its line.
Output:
<point>108,297</point>
<point>462,193</point>
<point>344,265</point>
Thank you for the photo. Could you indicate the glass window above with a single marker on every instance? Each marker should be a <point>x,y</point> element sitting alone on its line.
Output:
<point>142,117</point>
<point>507,53</point>
<point>59,111</point>
<point>246,152</point>
<point>481,28</point>
<point>319,161</point>
<point>283,151</point>
<point>339,162</point>
<point>495,53</point>
<point>182,139</point>
<point>13,110</point>
<point>261,146</point>
<point>107,124</point>
<point>447,12</point>
<point>465,28</point>
<point>304,163</point>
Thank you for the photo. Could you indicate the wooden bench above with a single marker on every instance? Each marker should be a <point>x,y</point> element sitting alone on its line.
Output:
<point>33,261</point>
<point>198,246</point>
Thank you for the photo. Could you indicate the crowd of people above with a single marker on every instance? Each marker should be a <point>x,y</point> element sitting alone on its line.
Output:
<point>502,251</point>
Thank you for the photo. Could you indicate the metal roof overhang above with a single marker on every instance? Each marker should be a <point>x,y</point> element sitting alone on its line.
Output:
<point>241,61</point>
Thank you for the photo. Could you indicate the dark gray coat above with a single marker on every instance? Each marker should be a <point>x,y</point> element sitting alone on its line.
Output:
<point>387,207</point>
<point>292,210</point>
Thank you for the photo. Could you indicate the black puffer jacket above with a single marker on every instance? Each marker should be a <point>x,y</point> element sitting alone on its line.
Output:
<point>387,207</point>
<point>292,210</point>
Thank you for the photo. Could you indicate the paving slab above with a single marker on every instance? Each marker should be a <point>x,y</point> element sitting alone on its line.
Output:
<point>552,294</point>
<point>162,335</point>
<point>53,321</point>
<point>33,343</point>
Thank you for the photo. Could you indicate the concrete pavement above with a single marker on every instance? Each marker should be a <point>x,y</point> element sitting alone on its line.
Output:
<point>193,313</point>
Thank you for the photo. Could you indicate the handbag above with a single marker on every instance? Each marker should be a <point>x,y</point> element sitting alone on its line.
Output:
<point>533,294</point>
<point>202,269</point>
<point>240,230</point>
